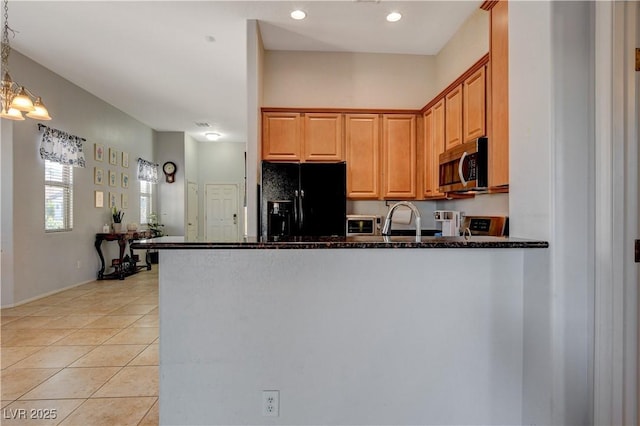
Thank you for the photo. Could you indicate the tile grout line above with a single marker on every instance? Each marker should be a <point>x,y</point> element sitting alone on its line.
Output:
<point>149,410</point>
<point>57,315</point>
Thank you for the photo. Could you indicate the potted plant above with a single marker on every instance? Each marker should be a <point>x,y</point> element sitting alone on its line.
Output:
<point>117,216</point>
<point>154,226</point>
<point>156,231</point>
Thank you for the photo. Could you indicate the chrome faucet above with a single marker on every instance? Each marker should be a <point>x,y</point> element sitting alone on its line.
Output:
<point>386,229</point>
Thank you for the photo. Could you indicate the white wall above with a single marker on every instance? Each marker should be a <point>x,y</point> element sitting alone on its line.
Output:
<point>46,262</point>
<point>468,45</point>
<point>351,336</point>
<point>551,180</point>
<point>573,205</point>
<point>191,159</point>
<point>255,85</point>
<point>347,80</point>
<point>170,146</point>
<point>530,197</point>
<point>363,80</point>
<point>192,170</point>
<point>222,163</point>
<point>480,205</point>
<point>6,214</point>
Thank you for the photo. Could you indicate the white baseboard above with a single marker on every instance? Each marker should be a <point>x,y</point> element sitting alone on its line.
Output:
<point>31,299</point>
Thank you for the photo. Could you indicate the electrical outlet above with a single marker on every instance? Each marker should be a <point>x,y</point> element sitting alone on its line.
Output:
<point>78,264</point>
<point>271,403</point>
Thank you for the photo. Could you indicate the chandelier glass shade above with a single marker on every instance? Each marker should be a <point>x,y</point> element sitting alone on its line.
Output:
<point>16,99</point>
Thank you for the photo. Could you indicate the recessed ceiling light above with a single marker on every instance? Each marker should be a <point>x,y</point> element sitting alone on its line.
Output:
<point>298,14</point>
<point>394,17</point>
<point>212,136</point>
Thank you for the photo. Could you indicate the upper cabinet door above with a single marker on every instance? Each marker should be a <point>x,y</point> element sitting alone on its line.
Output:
<point>399,156</point>
<point>323,137</point>
<point>281,136</point>
<point>433,147</point>
<point>362,134</point>
<point>474,106</point>
<point>453,117</point>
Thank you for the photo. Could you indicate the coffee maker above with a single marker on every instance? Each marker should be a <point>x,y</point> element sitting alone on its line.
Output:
<point>279,216</point>
<point>450,221</point>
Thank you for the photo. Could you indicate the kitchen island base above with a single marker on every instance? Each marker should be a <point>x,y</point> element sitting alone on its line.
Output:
<point>368,336</point>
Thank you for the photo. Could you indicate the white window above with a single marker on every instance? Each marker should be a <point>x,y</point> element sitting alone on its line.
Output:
<point>58,197</point>
<point>146,198</point>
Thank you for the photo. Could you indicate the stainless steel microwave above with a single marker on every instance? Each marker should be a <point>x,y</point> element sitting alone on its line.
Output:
<point>359,224</point>
<point>464,167</point>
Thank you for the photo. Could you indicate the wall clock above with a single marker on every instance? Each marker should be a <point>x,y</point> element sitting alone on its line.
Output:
<point>169,169</point>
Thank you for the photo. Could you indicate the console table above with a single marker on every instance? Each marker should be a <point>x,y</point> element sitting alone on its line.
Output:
<point>125,265</point>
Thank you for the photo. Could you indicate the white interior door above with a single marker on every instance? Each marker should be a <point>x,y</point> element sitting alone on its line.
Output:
<point>192,211</point>
<point>221,218</point>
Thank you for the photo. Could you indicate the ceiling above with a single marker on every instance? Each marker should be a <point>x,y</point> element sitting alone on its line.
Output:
<point>172,64</point>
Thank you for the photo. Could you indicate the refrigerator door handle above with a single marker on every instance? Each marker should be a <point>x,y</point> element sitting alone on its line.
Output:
<point>295,208</point>
<point>301,209</point>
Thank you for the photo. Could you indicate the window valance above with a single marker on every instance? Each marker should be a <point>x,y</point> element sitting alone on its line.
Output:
<point>147,171</point>
<point>61,147</point>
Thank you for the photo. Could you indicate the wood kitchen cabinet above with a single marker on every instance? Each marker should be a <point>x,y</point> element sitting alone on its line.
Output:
<point>474,106</point>
<point>499,97</point>
<point>281,136</point>
<point>453,117</point>
<point>399,156</point>
<point>433,146</point>
<point>296,136</point>
<point>322,137</point>
<point>362,140</point>
<point>465,110</point>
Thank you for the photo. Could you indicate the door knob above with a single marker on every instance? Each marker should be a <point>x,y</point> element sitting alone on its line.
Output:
<point>235,219</point>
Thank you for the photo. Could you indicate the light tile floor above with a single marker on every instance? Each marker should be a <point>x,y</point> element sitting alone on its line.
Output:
<point>87,355</point>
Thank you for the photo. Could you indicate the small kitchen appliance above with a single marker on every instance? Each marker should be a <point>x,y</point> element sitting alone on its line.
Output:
<point>490,226</point>
<point>361,224</point>
<point>450,221</point>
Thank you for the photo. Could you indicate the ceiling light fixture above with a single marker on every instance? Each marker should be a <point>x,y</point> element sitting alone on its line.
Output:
<point>212,136</point>
<point>16,99</point>
<point>394,17</point>
<point>298,14</point>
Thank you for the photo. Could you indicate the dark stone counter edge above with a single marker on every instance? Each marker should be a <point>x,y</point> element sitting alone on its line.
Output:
<point>280,245</point>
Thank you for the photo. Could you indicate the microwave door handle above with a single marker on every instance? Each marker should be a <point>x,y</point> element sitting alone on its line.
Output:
<point>462,179</point>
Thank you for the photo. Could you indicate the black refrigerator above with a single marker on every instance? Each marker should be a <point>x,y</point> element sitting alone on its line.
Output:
<point>310,197</point>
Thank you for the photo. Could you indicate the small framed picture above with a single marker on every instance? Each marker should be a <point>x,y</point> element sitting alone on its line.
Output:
<point>99,198</point>
<point>125,180</point>
<point>113,200</point>
<point>113,156</point>
<point>98,152</point>
<point>125,201</point>
<point>98,176</point>
<point>112,178</point>
<point>125,159</point>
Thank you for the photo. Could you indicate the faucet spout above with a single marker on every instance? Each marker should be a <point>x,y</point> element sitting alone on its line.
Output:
<point>386,229</point>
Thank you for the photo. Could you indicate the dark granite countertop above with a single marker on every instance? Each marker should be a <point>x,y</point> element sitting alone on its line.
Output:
<point>367,242</point>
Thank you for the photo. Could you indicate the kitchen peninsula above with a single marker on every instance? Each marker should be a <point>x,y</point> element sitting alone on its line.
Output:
<point>352,330</point>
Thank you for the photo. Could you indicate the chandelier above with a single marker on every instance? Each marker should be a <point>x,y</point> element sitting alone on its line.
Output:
<point>16,99</point>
